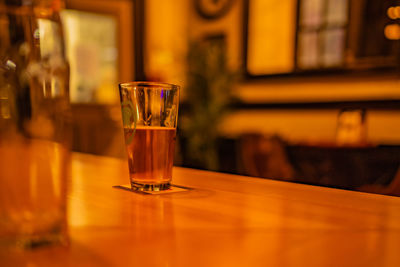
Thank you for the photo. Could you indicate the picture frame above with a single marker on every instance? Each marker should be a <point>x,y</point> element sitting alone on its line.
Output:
<point>129,18</point>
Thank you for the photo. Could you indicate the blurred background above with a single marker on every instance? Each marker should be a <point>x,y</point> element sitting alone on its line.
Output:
<point>306,91</point>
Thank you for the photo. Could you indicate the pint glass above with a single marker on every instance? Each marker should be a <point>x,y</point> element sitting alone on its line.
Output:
<point>149,114</point>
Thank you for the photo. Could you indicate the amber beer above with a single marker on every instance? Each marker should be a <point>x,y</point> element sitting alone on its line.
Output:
<point>151,155</point>
<point>149,116</point>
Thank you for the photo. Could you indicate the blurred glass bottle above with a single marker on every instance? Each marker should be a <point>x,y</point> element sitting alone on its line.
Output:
<point>34,123</point>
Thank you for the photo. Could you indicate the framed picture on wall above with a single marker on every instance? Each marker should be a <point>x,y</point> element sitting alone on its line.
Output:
<point>101,48</point>
<point>103,41</point>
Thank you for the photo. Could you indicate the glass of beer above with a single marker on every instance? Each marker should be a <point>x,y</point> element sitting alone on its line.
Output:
<point>149,115</point>
<point>35,132</point>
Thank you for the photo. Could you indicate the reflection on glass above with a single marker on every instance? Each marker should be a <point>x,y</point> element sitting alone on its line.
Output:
<point>91,45</point>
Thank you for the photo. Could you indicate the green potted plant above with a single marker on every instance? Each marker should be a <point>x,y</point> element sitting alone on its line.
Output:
<point>208,99</point>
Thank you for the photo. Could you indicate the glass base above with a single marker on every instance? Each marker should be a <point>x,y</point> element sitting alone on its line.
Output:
<point>149,187</point>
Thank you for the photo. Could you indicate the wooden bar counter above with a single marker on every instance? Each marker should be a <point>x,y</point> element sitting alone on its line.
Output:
<point>226,220</point>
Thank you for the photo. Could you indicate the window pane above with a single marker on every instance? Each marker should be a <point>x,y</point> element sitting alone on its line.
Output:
<point>337,12</point>
<point>308,50</point>
<point>333,47</point>
<point>311,13</point>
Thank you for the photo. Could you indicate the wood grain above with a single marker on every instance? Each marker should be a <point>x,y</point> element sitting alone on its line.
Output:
<point>226,220</point>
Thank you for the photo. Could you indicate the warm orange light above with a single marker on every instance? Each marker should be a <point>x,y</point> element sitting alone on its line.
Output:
<point>390,13</point>
<point>392,32</point>
<point>393,12</point>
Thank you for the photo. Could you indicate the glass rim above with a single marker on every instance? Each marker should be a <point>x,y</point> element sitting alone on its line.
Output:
<point>148,84</point>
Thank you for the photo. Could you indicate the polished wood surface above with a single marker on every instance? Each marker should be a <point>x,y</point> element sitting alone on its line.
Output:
<point>226,220</point>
